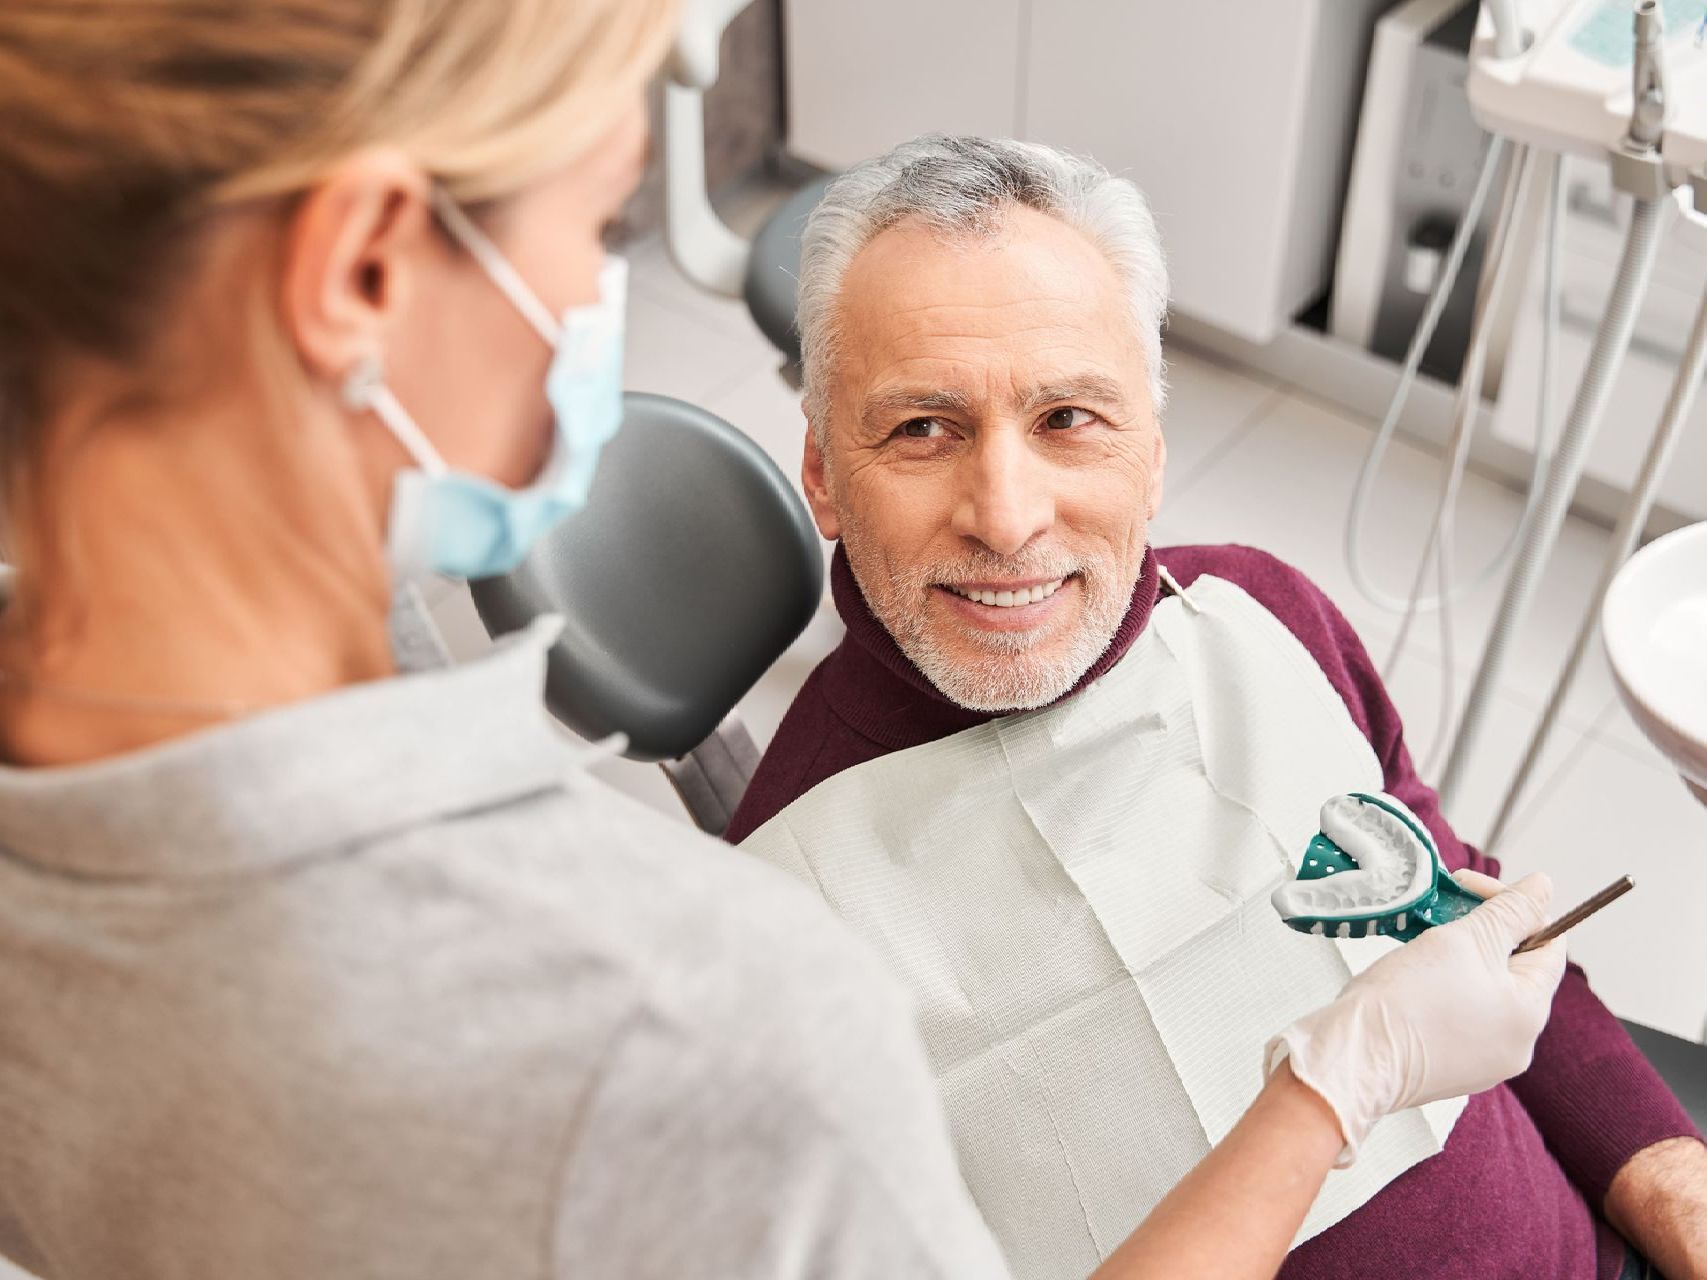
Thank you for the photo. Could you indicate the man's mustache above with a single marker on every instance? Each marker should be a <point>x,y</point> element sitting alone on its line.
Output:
<point>996,568</point>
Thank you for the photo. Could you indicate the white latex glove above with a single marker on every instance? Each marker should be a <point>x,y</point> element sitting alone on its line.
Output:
<point>1452,1013</point>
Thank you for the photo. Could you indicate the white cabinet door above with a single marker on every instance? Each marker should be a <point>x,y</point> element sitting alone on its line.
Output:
<point>1236,118</point>
<point>864,75</point>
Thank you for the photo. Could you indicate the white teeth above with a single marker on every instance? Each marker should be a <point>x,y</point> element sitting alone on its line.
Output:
<point>1011,599</point>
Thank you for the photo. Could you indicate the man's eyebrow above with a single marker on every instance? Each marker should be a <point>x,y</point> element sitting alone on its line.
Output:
<point>1085,386</point>
<point>922,400</point>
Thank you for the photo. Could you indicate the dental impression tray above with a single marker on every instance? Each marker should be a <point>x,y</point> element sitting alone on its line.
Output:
<point>1373,869</point>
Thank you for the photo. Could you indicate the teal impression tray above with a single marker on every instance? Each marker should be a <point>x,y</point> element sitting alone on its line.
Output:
<point>1372,869</point>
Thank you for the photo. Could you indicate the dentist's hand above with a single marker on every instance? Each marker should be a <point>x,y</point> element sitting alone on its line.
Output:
<point>1451,1013</point>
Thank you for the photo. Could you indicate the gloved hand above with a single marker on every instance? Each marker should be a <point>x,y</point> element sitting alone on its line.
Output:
<point>1451,1013</point>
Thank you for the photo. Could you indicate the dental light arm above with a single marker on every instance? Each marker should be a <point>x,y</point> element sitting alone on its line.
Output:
<point>703,246</point>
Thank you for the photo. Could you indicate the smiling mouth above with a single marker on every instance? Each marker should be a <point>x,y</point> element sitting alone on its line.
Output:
<point>1007,597</point>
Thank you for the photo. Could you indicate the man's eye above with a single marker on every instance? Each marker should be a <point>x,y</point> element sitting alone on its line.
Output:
<point>1066,418</point>
<point>921,428</point>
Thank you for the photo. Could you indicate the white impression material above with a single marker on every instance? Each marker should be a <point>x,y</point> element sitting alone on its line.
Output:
<point>1394,867</point>
<point>1078,899</point>
<point>1010,599</point>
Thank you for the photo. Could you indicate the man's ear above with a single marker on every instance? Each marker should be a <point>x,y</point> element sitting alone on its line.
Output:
<point>1159,465</point>
<point>817,487</point>
<point>349,254</point>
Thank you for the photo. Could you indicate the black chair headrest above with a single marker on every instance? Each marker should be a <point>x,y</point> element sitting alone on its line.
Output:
<point>692,568</point>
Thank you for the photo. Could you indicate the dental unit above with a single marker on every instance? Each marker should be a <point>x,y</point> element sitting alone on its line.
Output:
<point>1626,84</point>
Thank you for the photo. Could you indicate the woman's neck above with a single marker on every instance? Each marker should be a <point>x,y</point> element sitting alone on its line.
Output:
<point>192,572</point>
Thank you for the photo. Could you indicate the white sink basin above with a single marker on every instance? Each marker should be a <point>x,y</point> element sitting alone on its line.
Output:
<point>1655,626</point>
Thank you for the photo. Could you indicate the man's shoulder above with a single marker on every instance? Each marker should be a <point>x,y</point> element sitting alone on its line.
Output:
<point>812,743</point>
<point>1283,589</point>
<point>1302,608</point>
<point>1277,585</point>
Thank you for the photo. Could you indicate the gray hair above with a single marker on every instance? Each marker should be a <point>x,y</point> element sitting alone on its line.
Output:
<point>963,185</point>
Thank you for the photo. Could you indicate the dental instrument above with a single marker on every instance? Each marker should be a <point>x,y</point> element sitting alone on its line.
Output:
<point>1576,915</point>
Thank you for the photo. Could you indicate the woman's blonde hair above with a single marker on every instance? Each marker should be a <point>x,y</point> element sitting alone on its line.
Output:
<point>128,122</point>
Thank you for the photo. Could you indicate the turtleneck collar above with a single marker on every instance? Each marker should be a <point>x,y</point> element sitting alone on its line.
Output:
<point>875,688</point>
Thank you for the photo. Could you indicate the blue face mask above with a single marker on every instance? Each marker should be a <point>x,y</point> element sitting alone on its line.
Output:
<point>464,525</point>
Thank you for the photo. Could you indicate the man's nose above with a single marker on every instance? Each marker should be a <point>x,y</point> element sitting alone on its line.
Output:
<point>1005,497</point>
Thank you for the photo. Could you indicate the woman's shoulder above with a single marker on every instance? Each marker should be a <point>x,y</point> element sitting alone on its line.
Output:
<point>587,888</point>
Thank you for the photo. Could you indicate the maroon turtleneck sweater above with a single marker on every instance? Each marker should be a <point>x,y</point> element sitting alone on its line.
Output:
<point>1511,1194</point>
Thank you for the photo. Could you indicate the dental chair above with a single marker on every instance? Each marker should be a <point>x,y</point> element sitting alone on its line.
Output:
<point>691,569</point>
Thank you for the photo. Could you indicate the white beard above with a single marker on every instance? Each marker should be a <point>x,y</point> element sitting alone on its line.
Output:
<point>1007,675</point>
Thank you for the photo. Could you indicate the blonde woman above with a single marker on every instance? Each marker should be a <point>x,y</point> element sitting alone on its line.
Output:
<point>310,966</point>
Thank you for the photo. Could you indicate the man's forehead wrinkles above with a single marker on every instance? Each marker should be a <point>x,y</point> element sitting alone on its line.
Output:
<point>1010,328</point>
<point>991,317</point>
<point>1052,301</point>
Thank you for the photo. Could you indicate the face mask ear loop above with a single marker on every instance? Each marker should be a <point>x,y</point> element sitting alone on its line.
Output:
<point>496,266</point>
<point>365,389</point>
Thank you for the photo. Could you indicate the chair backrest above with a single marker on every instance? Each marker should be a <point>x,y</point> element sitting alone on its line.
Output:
<point>692,568</point>
<point>773,268</point>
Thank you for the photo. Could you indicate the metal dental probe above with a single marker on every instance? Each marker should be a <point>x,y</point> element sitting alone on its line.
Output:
<point>1576,915</point>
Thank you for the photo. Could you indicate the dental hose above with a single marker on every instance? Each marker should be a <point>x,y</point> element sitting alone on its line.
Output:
<point>1441,539</point>
<point>1442,535</point>
<point>1465,416</point>
<point>1679,404</point>
<point>1420,339</point>
<point>1611,343</point>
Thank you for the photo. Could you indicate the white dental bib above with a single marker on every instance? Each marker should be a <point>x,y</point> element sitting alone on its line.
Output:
<point>1079,899</point>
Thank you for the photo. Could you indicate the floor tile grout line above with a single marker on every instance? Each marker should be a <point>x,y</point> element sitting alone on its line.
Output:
<point>1223,363</point>
<point>1251,420</point>
<point>1539,792</point>
<point>1642,755</point>
<point>683,298</point>
<point>729,386</point>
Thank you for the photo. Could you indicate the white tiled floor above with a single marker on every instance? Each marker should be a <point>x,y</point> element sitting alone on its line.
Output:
<point>1257,461</point>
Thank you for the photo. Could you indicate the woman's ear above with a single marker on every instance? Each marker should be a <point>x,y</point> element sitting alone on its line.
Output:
<point>352,254</point>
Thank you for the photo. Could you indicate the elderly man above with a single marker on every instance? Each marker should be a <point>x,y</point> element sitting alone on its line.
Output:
<point>1053,773</point>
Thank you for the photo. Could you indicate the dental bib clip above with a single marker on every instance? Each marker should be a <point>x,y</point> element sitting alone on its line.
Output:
<point>1373,869</point>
